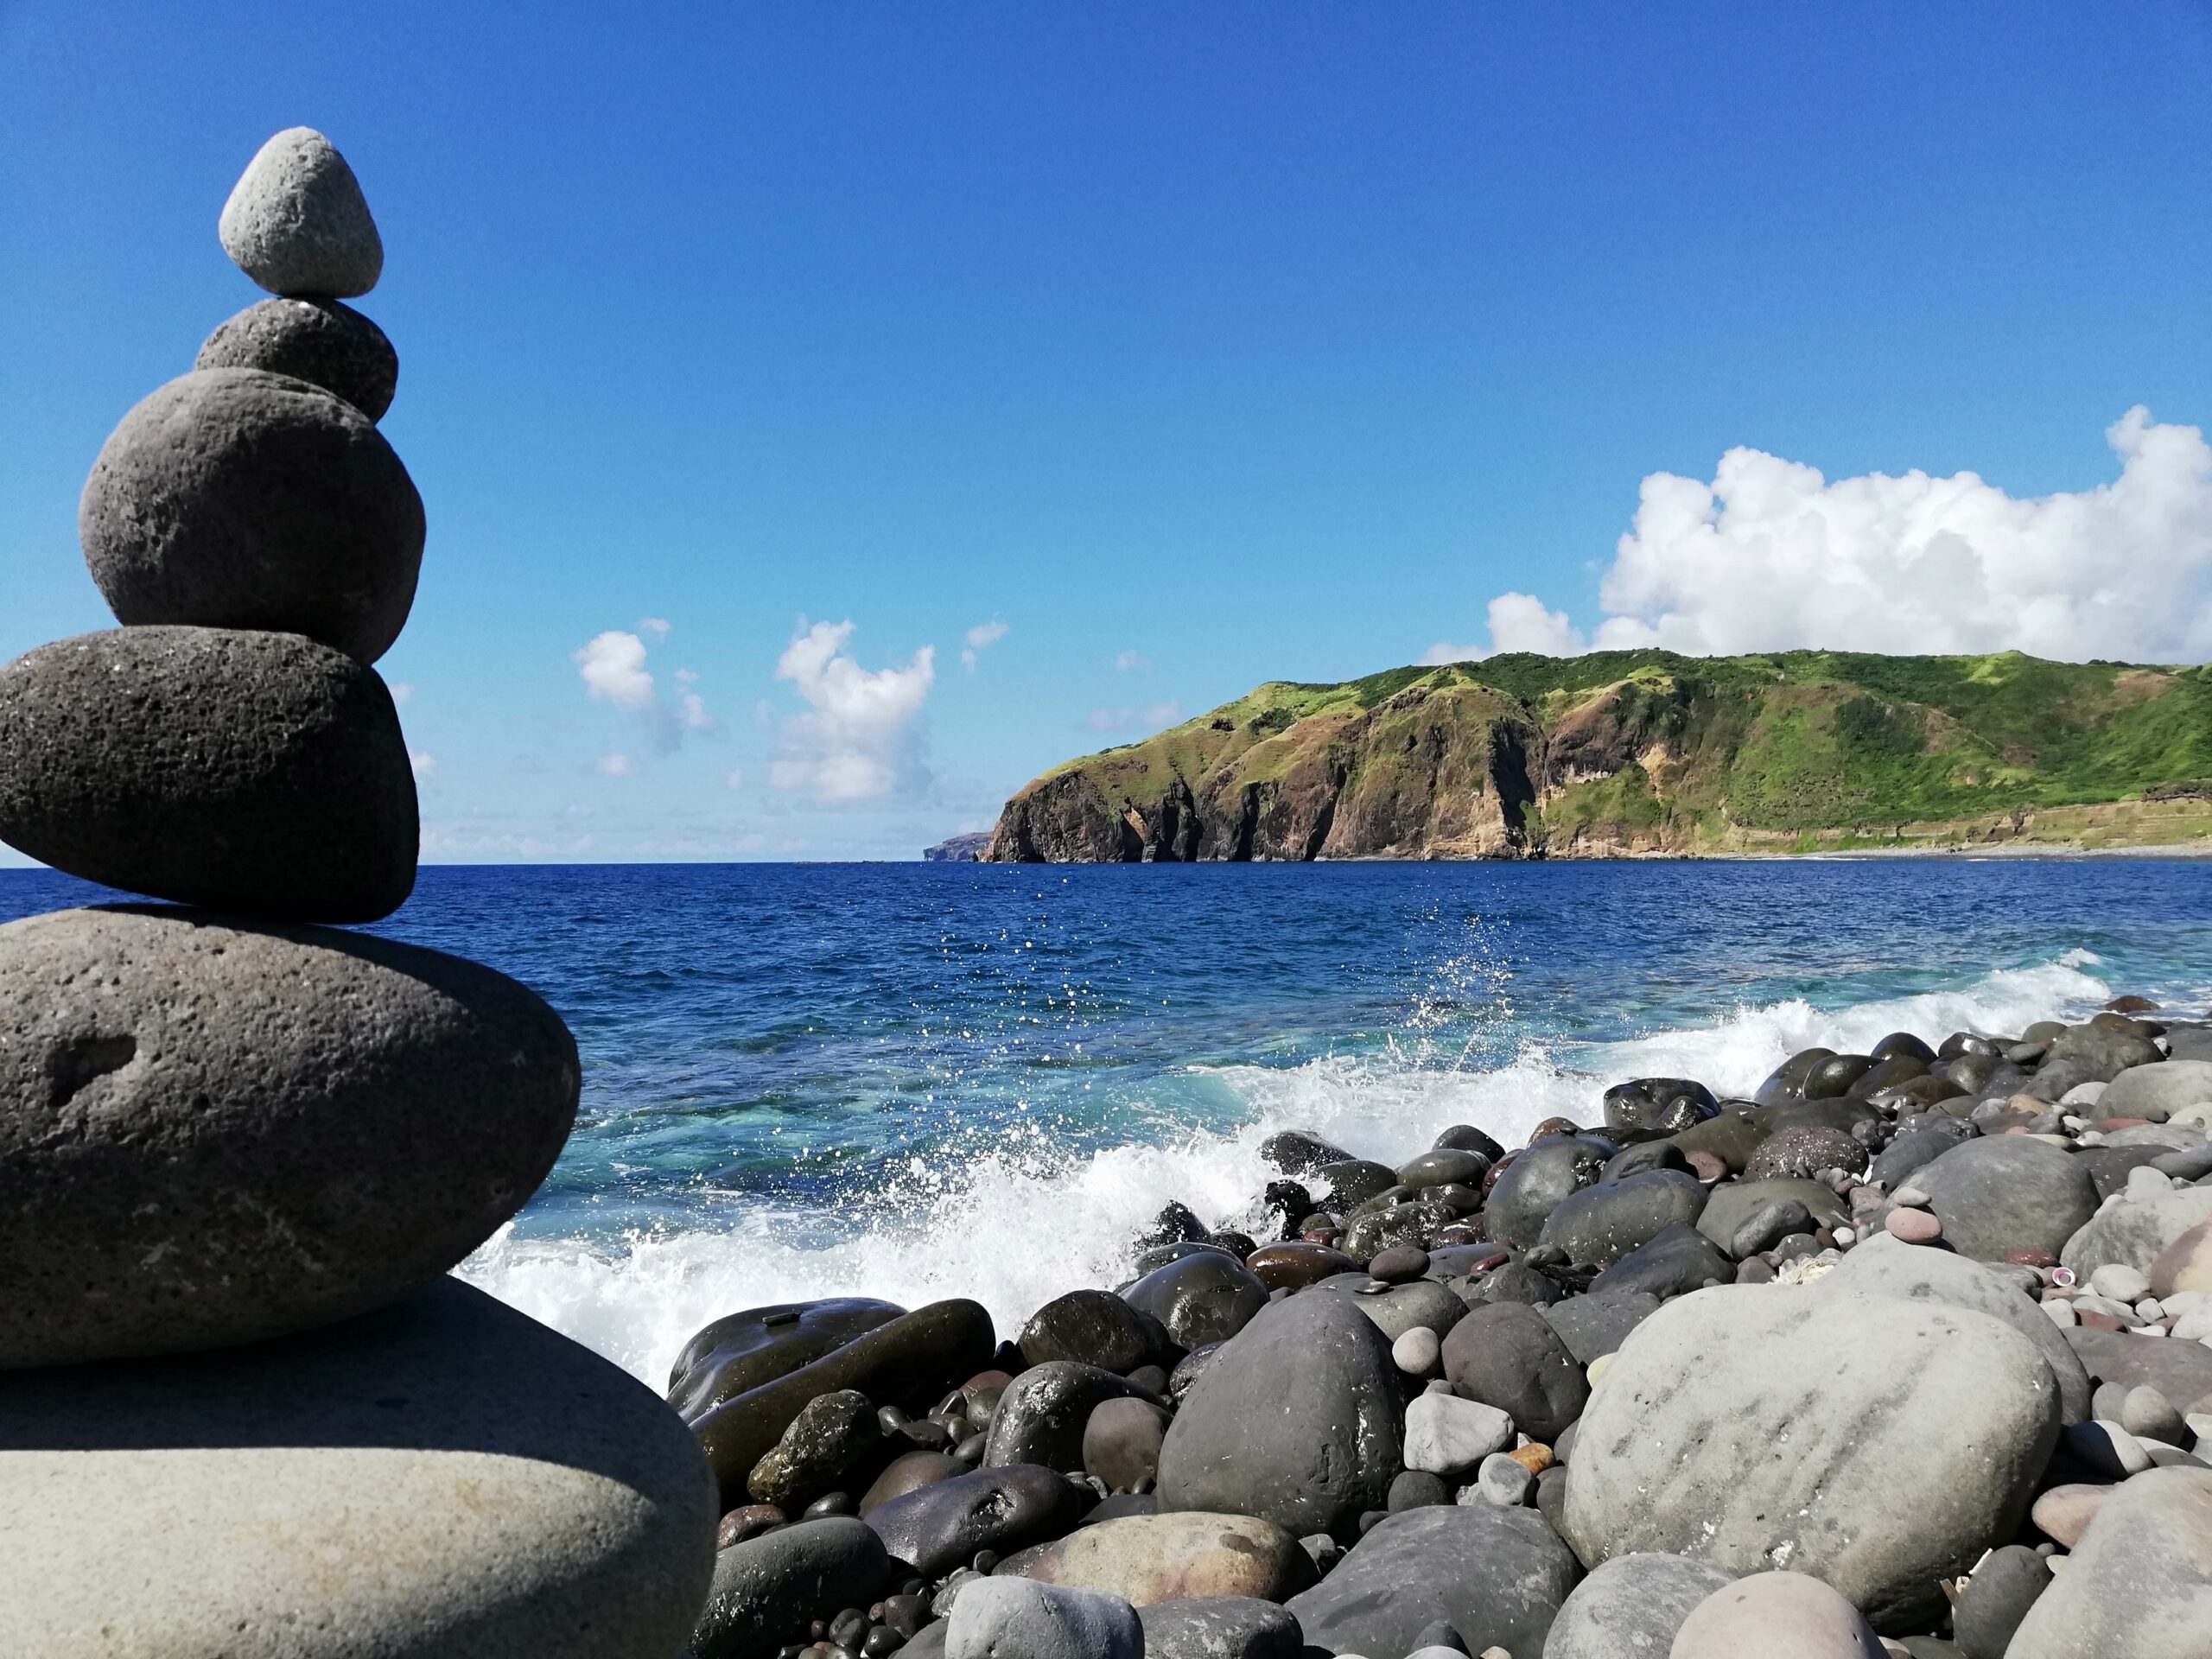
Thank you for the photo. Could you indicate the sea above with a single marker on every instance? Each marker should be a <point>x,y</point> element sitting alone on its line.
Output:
<point>916,1081</point>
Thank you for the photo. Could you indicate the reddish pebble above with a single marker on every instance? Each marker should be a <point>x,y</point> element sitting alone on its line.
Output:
<point>2095,1320</point>
<point>1552,1126</point>
<point>2112,1125</point>
<point>749,1522</point>
<point>1708,1167</point>
<point>1913,1226</point>
<point>2065,1512</point>
<point>2030,1258</point>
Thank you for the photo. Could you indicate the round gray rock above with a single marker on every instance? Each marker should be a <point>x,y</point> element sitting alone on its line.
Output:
<point>2138,1583</point>
<point>2007,1192</point>
<point>1497,1576</point>
<point>1631,1607</point>
<point>1020,1618</point>
<point>1297,1420</point>
<point>442,1478</point>
<point>212,1133</point>
<point>258,773</point>
<point>1601,1224</point>
<point>296,221</point>
<point>320,341</point>
<point>2134,1232</point>
<point>1220,1627</point>
<point>767,1590</point>
<point>1508,1356</point>
<point>239,498</point>
<point>1772,1613</point>
<point>1876,1443</point>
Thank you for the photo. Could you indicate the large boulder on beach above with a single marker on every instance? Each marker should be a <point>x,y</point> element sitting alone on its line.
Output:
<point>1201,1299</point>
<point>2168,1086</point>
<point>942,1526</point>
<point>910,1362</point>
<point>296,221</point>
<point>1020,1619</point>
<point>258,773</point>
<point>2090,1053</point>
<point>1631,1607</point>
<point>1540,1178</point>
<point>1599,1225</point>
<point>1884,1266</point>
<point>1296,1419</point>
<point>2137,1228</point>
<point>1220,1627</point>
<point>442,1476</point>
<point>744,1350</point>
<point>766,1590</point>
<point>2000,1193</point>
<point>320,341</point>
<point>1153,1558</point>
<point>211,1133</point>
<point>1508,1356</point>
<point>1911,1436</point>
<point>238,499</point>
<point>1042,1414</point>
<point>1496,1575</point>
<point>2138,1583</point>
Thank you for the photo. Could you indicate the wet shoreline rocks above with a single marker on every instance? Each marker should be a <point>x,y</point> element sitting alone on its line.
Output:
<point>1871,1361</point>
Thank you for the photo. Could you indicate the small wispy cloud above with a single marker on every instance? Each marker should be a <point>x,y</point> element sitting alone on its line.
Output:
<point>617,764</point>
<point>401,694</point>
<point>981,636</point>
<point>612,668</point>
<point>656,625</point>
<point>423,762</point>
<point>1132,662</point>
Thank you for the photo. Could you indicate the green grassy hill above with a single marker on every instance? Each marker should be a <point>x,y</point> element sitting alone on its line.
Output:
<point>1647,751</point>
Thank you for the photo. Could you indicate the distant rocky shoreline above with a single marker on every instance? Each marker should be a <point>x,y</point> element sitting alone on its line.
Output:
<point>1910,1354</point>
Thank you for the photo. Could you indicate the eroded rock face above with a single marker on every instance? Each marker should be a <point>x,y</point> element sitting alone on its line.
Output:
<point>211,1133</point>
<point>1296,1420</point>
<point>238,499</point>
<point>258,773</point>
<point>491,1487</point>
<point>1761,1427</point>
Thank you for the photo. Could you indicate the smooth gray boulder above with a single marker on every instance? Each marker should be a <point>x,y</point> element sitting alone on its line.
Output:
<point>1041,1416</point>
<point>2139,1582</point>
<point>239,498</point>
<point>767,1590</point>
<point>1631,1607</point>
<point>1540,1177</point>
<point>1199,1299</point>
<point>1878,1443</point>
<point>1021,1618</point>
<point>442,1478</point>
<point>1497,1576</point>
<point>1736,1203</point>
<point>320,341</point>
<point>1296,1420</point>
<point>1599,1225</point>
<point>212,1134</point>
<point>1594,1325</point>
<point>1508,1356</point>
<point>258,774</point>
<point>1767,1614</point>
<point>938,1527</point>
<point>1889,1266</point>
<point>296,221</point>
<point>1220,1627</point>
<point>1420,1304</point>
<point>2006,1192</point>
<point>2132,1231</point>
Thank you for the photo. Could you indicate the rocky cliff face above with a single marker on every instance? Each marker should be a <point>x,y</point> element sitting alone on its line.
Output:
<point>1620,754</point>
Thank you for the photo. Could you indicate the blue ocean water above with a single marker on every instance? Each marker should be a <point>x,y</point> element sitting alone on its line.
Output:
<point>922,1080</point>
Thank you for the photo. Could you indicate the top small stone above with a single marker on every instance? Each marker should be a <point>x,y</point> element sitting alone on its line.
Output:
<point>297,223</point>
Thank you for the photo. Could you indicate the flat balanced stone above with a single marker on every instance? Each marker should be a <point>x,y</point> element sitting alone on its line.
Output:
<point>212,1134</point>
<point>239,498</point>
<point>320,341</point>
<point>443,1479</point>
<point>296,221</point>
<point>260,773</point>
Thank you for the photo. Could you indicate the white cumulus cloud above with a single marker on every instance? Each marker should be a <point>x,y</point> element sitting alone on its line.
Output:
<point>1772,556</point>
<point>613,668</point>
<point>982,635</point>
<point>860,737</point>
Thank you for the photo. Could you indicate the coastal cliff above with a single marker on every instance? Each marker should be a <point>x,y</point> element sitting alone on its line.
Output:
<point>1646,752</point>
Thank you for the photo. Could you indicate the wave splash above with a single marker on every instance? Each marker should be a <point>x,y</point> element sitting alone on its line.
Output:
<point>1016,1226</point>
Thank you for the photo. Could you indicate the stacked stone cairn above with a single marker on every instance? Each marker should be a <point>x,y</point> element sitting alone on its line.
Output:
<point>1908,1353</point>
<point>244,1411</point>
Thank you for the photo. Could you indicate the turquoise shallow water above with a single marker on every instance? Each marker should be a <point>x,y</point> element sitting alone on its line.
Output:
<point>922,1080</point>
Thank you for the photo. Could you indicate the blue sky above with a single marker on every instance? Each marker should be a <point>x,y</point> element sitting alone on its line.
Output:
<point>1194,346</point>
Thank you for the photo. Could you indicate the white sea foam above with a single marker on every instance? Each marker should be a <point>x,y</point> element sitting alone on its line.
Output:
<point>1018,1226</point>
